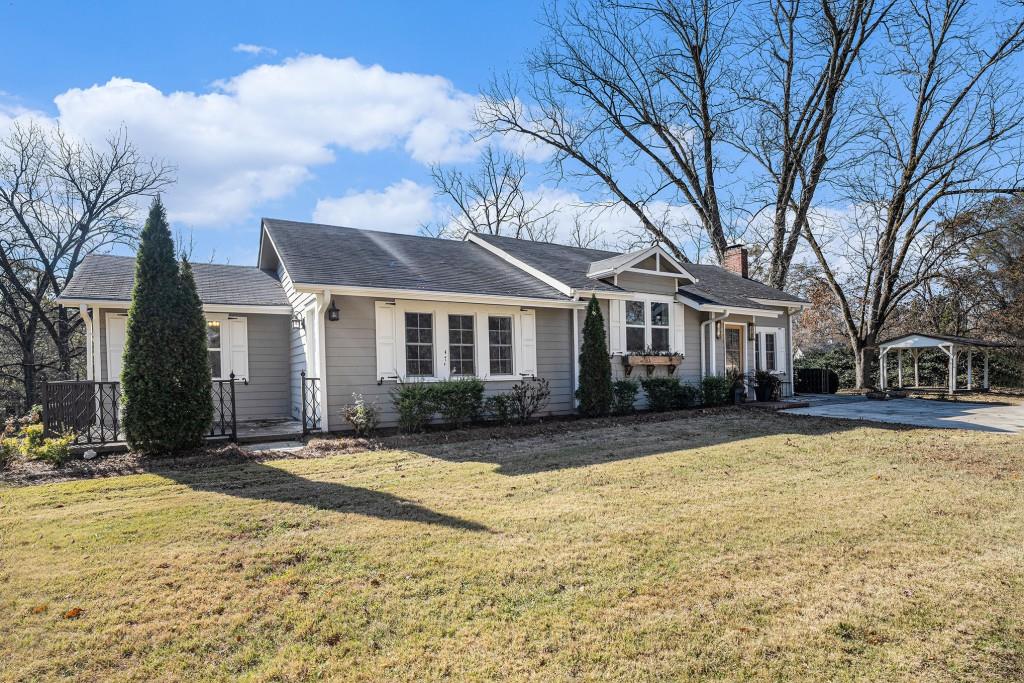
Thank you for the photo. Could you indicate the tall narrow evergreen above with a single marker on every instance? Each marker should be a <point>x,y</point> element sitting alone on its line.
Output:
<point>165,381</point>
<point>148,374</point>
<point>595,389</point>
<point>195,399</point>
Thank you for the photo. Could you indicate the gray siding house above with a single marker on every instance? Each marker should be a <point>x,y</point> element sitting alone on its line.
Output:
<point>363,310</point>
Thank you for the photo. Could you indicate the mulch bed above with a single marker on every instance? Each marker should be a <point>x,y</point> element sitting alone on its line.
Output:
<point>27,472</point>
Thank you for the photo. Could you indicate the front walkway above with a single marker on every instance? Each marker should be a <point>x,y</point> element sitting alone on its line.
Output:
<point>986,417</point>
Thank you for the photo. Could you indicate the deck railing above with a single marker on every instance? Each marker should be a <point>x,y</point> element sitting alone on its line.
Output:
<point>92,410</point>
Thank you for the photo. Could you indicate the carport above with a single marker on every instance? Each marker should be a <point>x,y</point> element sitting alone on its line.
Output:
<point>951,346</point>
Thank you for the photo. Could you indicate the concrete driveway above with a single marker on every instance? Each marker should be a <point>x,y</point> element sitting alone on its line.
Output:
<point>917,412</point>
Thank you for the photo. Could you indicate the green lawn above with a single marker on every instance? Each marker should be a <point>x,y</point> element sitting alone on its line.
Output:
<point>735,547</point>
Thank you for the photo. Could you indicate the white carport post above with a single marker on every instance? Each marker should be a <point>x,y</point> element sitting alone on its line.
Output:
<point>899,367</point>
<point>970,371</point>
<point>917,375</point>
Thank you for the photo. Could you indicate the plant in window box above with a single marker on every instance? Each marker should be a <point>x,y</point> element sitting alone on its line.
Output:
<point>766,385</point>
<point>651,359</point>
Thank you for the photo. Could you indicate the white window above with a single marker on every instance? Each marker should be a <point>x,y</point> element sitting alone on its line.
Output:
<point>499,344</point>
<point>648,326</point>
<point>461,345</point>
<point>438,340</point>
<point>213,348</point>
<point>767,349</point>
<point>419,344</point>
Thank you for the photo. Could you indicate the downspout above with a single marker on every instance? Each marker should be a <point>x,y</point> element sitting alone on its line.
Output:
<point>575,355</point>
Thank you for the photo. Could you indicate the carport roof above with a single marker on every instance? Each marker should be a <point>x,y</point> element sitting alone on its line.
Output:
<point>943,339</point>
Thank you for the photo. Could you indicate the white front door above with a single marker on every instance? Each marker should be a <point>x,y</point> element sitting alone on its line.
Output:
<point>116,329</point>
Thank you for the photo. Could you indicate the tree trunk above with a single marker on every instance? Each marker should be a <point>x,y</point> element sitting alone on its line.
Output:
<point>866,364</point>
<point>28,377</point>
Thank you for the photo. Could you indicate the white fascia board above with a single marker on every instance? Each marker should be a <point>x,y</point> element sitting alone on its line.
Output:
<point>603,294</point>
<point>728,310</point>
<point>801,305</point>
<point>505,256</point>
<point>385,293</point>
<point>640,256</point>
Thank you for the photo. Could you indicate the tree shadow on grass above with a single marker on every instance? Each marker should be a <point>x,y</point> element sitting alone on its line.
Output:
<point>565,447</point>
<point>261,482</point>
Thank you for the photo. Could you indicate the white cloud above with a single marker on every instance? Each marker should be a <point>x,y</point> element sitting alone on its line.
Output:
<point>401,207</point>
<point>250,49</point>
<point>259,135</point>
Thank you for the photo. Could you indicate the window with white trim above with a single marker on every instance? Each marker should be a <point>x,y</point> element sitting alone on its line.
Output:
<point>499,344</point>
<point>419,344</point>
<point>766,349</point>
<point>636,326</point>
<point>461,345</point>
<point>660,330</point>
<point>214,351</point>
<point>769,351</point>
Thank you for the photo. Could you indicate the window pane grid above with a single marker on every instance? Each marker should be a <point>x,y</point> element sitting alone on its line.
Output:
<point>213,350</point>
<point>461,345</point>
<point>419,344</point>
<point>499,344</point>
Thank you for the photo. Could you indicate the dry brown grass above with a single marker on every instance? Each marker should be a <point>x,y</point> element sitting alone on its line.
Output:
<point>739,546</point>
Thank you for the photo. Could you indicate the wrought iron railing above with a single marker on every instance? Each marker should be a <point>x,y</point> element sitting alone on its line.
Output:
<point>224,422</point>
<point>92,410</point>
<point>310,390</point>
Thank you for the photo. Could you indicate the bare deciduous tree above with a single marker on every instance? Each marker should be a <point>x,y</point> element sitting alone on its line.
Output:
<point>60,200</point>
<point>944,132</point>
<point>643,99</point>
<point>490,200</point>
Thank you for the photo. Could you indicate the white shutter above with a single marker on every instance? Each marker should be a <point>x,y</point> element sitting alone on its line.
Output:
<point>781,364</point>
<point>528,343</point>
<point>679,328</point>
<point>386,351</point>
<point>616,326</point>
<point>238,349</point>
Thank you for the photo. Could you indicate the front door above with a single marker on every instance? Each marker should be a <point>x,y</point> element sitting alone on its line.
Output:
<point>734,348</point>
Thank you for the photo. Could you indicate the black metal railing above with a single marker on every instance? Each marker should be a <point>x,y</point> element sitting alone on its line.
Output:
<point>92,410</point>
<point>310,390</point>
<point>224,422</point>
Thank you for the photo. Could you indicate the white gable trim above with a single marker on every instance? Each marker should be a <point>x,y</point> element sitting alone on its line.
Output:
<point>639,256</point>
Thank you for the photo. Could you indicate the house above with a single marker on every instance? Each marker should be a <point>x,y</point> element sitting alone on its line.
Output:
<point>356,311</point>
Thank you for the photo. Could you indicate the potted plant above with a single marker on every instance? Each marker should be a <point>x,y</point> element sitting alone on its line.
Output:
<point>738,386</point>
<point>766,386</point>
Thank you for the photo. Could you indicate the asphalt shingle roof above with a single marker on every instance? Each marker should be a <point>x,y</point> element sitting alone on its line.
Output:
<point>110,278</point>
<point>332,255</point>
<point>570,265</point>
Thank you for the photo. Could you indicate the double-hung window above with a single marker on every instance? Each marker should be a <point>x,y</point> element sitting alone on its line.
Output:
<point>499,344</point>
<point>419,344</point>
<point>636,326</point>
<point>769,351</point>
<point>461,348</point>
<point>647,326</point>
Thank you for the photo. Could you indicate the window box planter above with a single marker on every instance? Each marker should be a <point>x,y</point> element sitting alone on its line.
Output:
<point>651,362</point>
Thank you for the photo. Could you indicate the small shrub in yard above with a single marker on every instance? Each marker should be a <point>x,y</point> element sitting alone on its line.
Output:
<point>662,393</point>
<point>362,416</point>
<point>717,390</point>
<point>624,393</point>
<point>32,444</point>
<point>415,405</point>
<point>8,450</point>
<point>499,407</point>
<point>689,396</point>
<point>528,398</point>
<point>459,401</point>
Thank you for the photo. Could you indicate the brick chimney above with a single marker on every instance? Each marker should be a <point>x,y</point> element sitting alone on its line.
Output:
<point>736,259</point>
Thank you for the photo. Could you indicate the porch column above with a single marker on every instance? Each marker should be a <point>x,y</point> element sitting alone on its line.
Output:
<point>899,367</point>
<point>97,348</point>
<point>952,370</point>
<point>985,380</point>
<point>323,302</point>
<point>883,373</point>
<point>970,370</point>
<point>917,376</point>
<point>89,344</point>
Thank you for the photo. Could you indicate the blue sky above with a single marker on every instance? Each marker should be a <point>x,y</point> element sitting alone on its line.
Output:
<point>283,162</point>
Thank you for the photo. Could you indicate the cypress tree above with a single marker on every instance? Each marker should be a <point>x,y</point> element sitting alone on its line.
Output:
<point>595,389</point>
<point>194,402</point>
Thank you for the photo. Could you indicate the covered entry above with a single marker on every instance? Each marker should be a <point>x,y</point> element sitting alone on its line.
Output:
<point>953,347</point>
